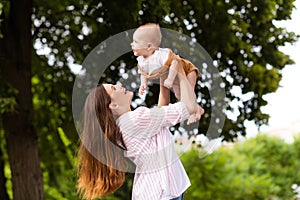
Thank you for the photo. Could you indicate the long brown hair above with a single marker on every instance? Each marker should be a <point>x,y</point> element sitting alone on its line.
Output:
<point>101,162</point>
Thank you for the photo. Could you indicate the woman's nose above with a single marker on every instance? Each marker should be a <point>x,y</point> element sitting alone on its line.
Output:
<point>119,86</point>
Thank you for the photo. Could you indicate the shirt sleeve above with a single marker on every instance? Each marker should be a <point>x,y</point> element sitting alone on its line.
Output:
<point>151,120</point>
<point>138,64</point>
<point>175,113</point>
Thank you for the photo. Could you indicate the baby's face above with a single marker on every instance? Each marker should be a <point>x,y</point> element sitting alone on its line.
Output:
<point>139,43</point>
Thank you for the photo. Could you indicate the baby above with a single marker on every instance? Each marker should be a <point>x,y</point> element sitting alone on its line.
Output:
<point>155,62</point>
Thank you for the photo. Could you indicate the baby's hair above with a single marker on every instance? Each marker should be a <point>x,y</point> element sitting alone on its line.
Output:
<point>154,30</point>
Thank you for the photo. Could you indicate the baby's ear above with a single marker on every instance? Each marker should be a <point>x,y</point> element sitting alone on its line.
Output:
<point>149,45</point>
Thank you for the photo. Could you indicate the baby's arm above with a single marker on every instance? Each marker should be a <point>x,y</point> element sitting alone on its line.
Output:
<point>144,83</point>
<point>172,73</point>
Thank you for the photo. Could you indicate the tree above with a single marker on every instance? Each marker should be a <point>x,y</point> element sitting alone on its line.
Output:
<point>239,36</point>
<point>21,138</point>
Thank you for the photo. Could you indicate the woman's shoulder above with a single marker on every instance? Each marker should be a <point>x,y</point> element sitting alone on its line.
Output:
<point>155,107</point>
<point>141,110</point>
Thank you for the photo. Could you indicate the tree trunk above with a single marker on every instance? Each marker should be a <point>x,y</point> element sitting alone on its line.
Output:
<point>15,69</point>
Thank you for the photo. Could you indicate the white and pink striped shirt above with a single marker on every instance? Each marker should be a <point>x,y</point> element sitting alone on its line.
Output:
<point>159,172</point>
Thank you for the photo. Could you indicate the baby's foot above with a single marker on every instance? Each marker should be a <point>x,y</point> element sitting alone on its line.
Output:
<point>200,110</point>
<point>196,116</point>
<point>192,119</point>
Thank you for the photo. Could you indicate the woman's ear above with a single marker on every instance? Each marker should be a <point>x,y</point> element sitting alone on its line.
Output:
<point>114,109</point>
<point>113,106</point>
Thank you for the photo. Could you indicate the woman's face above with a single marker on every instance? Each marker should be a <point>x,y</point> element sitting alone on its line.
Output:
<point>118,94</point>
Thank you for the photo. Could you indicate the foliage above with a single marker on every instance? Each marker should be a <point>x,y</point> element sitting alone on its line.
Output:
<point>239,35</point>
<point>258,168</point>
<point>1,10</point>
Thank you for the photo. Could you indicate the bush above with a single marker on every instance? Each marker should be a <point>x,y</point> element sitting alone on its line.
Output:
<point>258,168</point>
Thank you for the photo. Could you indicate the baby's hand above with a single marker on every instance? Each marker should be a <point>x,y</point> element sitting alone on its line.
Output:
<point>168,83</point>
<point>196,116</point>
<point>142,89</point>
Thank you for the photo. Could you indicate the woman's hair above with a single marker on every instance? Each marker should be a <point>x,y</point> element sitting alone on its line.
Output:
<point>101,162</point>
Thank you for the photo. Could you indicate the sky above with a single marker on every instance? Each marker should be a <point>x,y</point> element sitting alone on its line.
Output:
<point>284,105</point>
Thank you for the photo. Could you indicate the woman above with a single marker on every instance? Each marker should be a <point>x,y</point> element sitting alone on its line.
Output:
<point>140,135</point>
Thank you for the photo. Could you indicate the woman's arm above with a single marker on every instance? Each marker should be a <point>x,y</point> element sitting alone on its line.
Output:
<point>164,95</point>
<point>187,95</point>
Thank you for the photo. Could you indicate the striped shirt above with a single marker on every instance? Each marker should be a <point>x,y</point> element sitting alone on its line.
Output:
<point>159,172</point>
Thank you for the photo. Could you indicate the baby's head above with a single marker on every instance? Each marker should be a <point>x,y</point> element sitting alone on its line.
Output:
<point>146,37</point>
<point>151,33</point>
